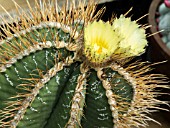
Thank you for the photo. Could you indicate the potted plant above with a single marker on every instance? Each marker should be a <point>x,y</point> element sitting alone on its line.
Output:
<point>64,67</point>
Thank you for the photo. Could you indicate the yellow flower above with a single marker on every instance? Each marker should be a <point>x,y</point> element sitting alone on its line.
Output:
<point>132,37</point>
<point>100,41</point>
<point>103,41</point>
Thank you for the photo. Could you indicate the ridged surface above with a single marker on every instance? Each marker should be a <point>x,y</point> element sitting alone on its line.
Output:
<point>61,110</point>
<point>97,112</point>
<point>121,88</point>
<point>38,115</point>
<point>23,69</point>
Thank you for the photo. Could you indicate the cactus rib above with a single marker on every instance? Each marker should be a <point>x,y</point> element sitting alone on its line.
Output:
<point>111,98</point>
<point>31,96</point>
<point>143,97</point>
<point>78,100</point>
<point>30,48</point>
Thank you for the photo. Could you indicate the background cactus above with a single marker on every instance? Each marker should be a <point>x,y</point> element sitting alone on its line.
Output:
<point>48,79</point>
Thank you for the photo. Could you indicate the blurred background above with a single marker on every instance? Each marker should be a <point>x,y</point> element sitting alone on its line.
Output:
<point>154,53</point>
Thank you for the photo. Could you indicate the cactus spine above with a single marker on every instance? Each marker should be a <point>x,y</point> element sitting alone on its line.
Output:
<point>56,72</point>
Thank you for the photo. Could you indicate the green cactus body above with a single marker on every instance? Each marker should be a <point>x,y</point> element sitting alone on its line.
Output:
<point>47,82</point>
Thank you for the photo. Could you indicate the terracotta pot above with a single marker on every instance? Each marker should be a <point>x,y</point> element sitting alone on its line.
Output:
<point>158,51</point>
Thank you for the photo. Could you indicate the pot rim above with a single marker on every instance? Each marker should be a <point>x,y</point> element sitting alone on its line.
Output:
<point>152,21</point>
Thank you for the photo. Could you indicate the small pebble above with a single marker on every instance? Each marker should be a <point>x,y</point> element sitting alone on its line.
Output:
<point>164,24</point>
<point>168,45</point>
<point>169,36</point>
<point>165,39</point>
<point>167,3</point>
<point>163,9</point>
<point>160,18</point>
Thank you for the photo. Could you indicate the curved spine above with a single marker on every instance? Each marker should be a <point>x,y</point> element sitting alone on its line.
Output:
<point>144,98</point>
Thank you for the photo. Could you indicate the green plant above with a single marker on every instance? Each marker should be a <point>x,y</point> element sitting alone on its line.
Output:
<point>63,68</point>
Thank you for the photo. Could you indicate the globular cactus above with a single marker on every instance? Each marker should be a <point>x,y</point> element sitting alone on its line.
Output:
<point>64,67</point>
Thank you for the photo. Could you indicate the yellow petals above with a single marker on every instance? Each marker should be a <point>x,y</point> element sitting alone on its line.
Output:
<point>124,38</point>
<point>133,38</point>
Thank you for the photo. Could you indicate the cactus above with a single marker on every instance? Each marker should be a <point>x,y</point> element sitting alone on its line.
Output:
<point>64,67</point>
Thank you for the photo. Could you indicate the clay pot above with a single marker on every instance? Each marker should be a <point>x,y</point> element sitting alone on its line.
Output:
<point>158,51</point>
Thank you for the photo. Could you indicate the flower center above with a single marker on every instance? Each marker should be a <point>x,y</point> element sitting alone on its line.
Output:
<point>100,41</point>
